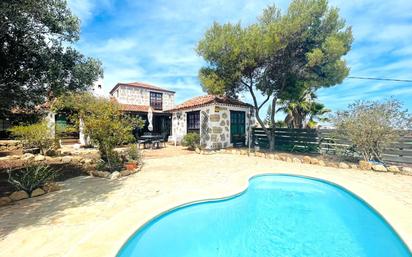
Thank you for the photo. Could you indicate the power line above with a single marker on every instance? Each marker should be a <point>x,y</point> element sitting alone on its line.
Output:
<point>385,79</point>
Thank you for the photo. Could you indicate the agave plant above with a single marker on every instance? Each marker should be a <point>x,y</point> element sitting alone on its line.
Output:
<point>31,177</point>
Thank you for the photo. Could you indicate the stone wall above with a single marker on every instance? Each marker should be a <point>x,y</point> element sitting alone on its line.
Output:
<point>141,96</point>
<point>10,145</point>
<point>214,125</point>
<point>179,125</point>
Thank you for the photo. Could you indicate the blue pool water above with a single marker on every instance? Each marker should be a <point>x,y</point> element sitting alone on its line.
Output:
<point>277,216</point>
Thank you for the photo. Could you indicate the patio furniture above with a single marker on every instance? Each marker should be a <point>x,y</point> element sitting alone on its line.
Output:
<point>152,139</point>
<point>164,139</point>
<point>142,142</point>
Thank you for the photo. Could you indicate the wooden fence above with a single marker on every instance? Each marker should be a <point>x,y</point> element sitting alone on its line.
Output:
<point>326,141</point>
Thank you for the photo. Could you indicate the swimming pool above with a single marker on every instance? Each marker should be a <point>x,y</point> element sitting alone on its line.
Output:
<point>277,216</point>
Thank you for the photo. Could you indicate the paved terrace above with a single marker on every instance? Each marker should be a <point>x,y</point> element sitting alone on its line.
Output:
<point>93,216</point>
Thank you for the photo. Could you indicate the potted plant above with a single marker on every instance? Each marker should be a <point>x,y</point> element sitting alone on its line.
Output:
<point>133,158</point>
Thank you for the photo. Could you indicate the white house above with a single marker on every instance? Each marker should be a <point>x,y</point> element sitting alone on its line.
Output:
<point>221,121</point>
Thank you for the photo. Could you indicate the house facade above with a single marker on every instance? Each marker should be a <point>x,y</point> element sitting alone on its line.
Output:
<point>137,98</point>
<point>220,121</point>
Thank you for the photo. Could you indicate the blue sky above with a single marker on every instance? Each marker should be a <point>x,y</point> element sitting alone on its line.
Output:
<point>154,42</point>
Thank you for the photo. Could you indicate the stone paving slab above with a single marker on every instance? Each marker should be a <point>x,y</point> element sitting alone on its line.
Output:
<point>94,217</point>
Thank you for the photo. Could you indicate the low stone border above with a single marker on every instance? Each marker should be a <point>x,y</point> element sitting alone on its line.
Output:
<point>115,174</point>
<point>10,145</point>
<point>363,165</point>
<point>21,195</point>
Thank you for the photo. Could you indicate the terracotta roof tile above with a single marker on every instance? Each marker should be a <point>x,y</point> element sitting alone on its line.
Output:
<point>208,99</point>
<point>141,85</point>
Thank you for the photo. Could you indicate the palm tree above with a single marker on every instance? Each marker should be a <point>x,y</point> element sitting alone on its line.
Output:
<point>303,111</point>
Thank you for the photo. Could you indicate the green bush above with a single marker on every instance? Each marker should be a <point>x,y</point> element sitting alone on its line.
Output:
<point>371,126</point>
<point>191,140</point>
<point>113,162</point>
<point>31,177</point>
<point>134,154</point>
<point>36,135</point>
<point>104,121</point>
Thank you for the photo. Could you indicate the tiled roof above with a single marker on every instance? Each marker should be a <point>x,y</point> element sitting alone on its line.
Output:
<point>208,99</point>
<point>137,108</point>
<point>141,85</point>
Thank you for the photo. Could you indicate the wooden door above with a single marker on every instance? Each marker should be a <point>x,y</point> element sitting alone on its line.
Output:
<point>237,128</point>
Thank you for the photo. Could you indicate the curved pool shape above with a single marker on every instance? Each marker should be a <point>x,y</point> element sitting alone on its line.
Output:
<point>277,216</point>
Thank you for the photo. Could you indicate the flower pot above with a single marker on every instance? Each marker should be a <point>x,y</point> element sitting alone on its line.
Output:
<point>130,165</point>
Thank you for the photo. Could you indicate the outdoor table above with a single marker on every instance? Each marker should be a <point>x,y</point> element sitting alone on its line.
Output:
<point>151,138</point>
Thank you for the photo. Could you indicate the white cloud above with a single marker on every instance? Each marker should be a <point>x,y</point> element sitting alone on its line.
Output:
<point>154,41</point>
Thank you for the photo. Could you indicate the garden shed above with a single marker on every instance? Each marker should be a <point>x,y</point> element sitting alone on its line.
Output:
<point>220,121</point>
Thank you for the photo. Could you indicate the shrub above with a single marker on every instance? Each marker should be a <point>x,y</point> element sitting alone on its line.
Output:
<point>31,177</point>
<point>36,135</point>
<point>103,121</point>
<point>112,163</point>
<point>371,126</point>
<point>134,154</point>
<point>191,140</point>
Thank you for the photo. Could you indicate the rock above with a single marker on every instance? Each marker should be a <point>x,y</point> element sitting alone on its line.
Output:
<point>407,170</point>
<point>233,151</point>
<point>322,163</point>
<point>379,168</point>
<point>77,159</point>
<point>67,159</point>
<point>243,152</point>
<point>197,150</point>
<point>27,157</point>
<point>296,160</point>
<point>5,158</point>
<point>39,158</point>
<point>343,165</point>
<point>276,157</point>
<point>37,192</point>
<point>393,168</point>
<point>307,159</point>
<point>19,195</point>
<point>51,187</point>
<point>102,174</point>
<point>353,166</point>
<point>49,159</point>
<point>115,175</point>
<point>365,165</point>
<point>9,158</point>
<point>283,158</point>
<point>5,200</point>
<point>333,164</point>
<point>314,161</point>
<point>87,161</point>
<point>134,171</point>
<point>260,154</point>
<point>288,159</point>
<point>125,173</point>
<point>66,153</point>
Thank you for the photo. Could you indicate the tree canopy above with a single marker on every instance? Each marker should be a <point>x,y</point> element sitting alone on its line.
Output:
<point>279,56</point>
<point>37,62</point>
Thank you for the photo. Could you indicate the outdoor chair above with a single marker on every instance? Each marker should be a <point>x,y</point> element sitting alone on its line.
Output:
<point>142,142</point>
<point>164,139</point>
<point>155,144</point>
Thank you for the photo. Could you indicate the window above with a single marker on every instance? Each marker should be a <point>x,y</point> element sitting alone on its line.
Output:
<point>156,100</point>
<point>193,121</point>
